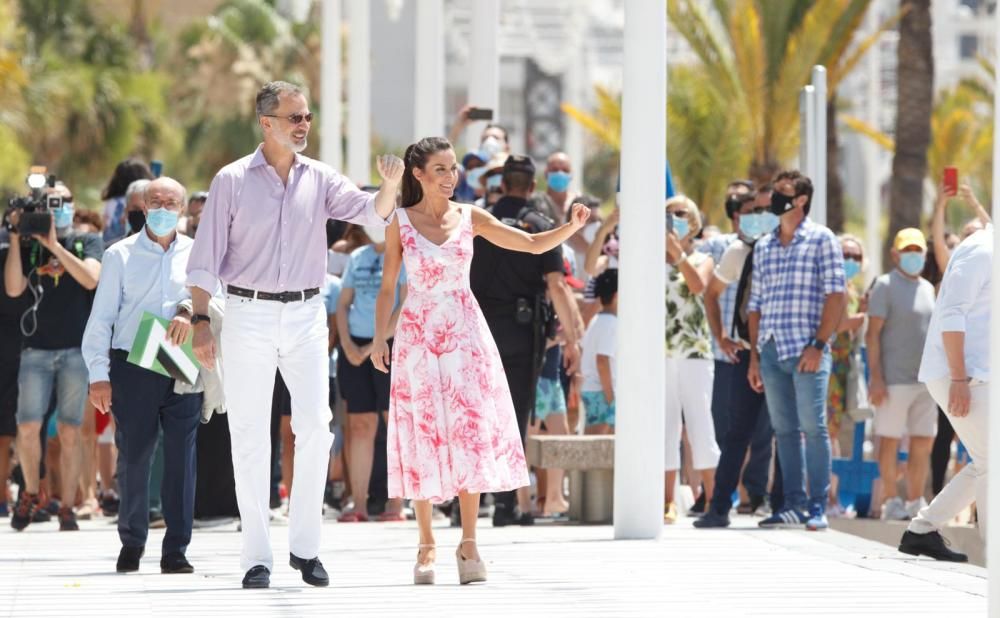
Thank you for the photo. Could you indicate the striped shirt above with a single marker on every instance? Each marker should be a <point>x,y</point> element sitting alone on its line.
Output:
<point>790,285</point>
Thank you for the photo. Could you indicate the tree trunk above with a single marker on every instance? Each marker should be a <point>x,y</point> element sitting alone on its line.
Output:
<point>913,117</point>
<point>834,186</point>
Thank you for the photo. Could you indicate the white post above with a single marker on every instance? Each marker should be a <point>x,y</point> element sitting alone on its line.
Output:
<point>359,94</point>
<point>428,107</point>
<point>818,210</point>
<point>873,194</point>
<point>330,147</point>
<point>993,482</point>
<point>639,427</point>
<point>573,92</point>
<point>484,65</point>
<point>805,122</point>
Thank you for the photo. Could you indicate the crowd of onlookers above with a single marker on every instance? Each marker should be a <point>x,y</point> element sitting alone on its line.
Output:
<point>777,341</point>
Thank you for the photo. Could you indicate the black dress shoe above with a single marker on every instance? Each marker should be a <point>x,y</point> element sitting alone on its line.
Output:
<point>257,577</point>
<point>503,517</point>
<point>313,572</point>
<point>175,563</point>
<point>128,559</point>
<point>931,544</point>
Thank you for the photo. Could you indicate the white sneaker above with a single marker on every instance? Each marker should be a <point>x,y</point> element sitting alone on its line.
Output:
<point>913,506</point>
<point>894,510</point>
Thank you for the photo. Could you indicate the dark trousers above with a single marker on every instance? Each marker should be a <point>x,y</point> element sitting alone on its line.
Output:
<point>515,343</point>
<point>758,468</point>
<point>941,452</point>
<point>143,402</point>
<point>746,409</point>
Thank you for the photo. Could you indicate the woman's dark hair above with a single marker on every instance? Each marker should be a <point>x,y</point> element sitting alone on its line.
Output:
<point>932,270</point>
<point>416,158</point>
<point>126,172</point>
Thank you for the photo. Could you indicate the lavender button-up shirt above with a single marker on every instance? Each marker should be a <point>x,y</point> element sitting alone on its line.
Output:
<point>258,233</point>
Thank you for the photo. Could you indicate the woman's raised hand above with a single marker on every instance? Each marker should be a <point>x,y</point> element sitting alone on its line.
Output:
<point>580,215</point>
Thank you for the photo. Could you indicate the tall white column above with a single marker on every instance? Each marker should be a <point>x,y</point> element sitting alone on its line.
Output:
<point>805,130</point>
<point>428,108</point>
<point>639,425</point>
<point>359,94</point>
<point>330,147</point>
<point>484,75</point>
<point>573,91</point>
<point>992,545</point>
<point>870,152</point>
<point>817,211</point>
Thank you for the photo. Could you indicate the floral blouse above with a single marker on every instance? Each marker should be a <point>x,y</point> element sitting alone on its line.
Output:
<point>688,335</point>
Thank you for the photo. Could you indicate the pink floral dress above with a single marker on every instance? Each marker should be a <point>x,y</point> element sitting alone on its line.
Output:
<point>451,419</point>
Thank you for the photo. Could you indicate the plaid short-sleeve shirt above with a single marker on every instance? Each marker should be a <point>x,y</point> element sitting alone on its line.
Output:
<point>790,285</point>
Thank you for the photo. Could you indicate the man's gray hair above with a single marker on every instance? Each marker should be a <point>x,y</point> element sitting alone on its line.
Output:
<point>136,186</point>
<point>268,97</point>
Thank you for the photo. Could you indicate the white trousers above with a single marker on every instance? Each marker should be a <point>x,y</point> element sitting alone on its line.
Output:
<point>689,393</point>
<point>257,337</point>
<point>970,483</point>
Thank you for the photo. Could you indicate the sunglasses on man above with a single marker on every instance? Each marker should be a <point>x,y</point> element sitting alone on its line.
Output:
<point>293,118</point>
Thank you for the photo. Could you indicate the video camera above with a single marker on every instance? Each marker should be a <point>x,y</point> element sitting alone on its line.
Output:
<point>35,209</point>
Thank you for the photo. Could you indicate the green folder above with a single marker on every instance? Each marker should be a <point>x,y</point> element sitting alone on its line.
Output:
<point>151,350</point>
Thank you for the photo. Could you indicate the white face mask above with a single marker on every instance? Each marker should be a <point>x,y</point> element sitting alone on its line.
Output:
<point>491,146</point>
<point>375,232</point>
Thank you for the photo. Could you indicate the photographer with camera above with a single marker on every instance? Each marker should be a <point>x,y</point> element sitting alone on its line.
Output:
<point>59,268</point>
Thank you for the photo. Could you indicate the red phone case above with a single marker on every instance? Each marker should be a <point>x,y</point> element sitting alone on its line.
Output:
<point>951,180</point>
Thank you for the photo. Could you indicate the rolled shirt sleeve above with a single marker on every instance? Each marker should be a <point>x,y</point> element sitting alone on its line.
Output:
<point>103,315</point>
<point>346,202</point>
<point>212,240</point>
<point>968,273</point>
<point>831,264</point>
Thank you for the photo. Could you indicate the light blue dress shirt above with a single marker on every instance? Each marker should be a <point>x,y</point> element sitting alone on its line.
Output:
<point>137,275</point>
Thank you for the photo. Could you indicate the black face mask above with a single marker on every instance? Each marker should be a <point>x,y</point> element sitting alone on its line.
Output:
<point>781,203</point>
<point>136,219</point>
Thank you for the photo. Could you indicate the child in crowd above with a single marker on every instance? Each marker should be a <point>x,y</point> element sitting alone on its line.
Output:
<point>598,391</point>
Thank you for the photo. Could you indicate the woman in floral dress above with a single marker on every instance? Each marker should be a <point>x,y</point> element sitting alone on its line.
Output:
<point>452,429</point>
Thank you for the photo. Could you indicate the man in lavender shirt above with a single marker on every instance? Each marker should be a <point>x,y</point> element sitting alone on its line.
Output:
<point>262,236</point>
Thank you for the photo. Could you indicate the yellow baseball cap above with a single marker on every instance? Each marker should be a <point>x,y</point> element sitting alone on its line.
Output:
<point>909,237</point>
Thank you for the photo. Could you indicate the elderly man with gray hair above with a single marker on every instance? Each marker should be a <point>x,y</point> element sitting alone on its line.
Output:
<point>262,236</point>
<point>146,272</point>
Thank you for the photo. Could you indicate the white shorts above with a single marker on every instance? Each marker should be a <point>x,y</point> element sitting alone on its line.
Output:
<point>910,410</point>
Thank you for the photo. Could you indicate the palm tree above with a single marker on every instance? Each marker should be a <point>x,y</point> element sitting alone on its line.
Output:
<point>913,116</point>
<point>243,45</point>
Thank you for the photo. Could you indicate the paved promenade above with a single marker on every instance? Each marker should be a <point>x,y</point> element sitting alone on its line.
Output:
<point>542,571</point>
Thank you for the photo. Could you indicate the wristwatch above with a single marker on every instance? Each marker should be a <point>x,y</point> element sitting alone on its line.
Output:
<point>819,345</point>
<point>200,317</point>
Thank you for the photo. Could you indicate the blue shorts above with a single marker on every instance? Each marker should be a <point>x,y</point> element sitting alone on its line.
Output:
<point>39,371</point>
<point>549,398</point>
<point>599,411</point>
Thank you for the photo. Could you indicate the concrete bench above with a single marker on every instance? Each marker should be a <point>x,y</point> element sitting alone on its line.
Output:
<point>589,462</point>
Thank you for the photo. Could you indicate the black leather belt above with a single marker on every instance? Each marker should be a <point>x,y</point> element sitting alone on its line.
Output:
<point>281,297</point>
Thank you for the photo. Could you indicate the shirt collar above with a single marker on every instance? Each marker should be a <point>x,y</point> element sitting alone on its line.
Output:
<point>152,245</point>
<point>801,233</point>
<point>258,159</point>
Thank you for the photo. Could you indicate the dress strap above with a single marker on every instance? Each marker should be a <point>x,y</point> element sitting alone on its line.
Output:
<point>403,217</point>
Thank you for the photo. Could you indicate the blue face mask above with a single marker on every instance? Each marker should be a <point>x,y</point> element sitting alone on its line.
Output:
<point>63,215</point>
<point>472,176</point>
<point>768,222</point>
<point>681,227</point>
<point>558,181</point>
<point>912,262</point>
<point>493,182</point>
<point>161,222</point>
<point>851,269</point>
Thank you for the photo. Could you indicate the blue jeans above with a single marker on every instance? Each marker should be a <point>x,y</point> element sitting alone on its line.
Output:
<point>797,405</point>
<point>39,370</point>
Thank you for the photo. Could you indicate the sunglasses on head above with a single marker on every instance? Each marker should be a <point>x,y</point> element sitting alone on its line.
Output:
<point>293,118</point>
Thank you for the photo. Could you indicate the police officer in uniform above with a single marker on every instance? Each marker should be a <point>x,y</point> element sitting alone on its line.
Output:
<point>511,289</point>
